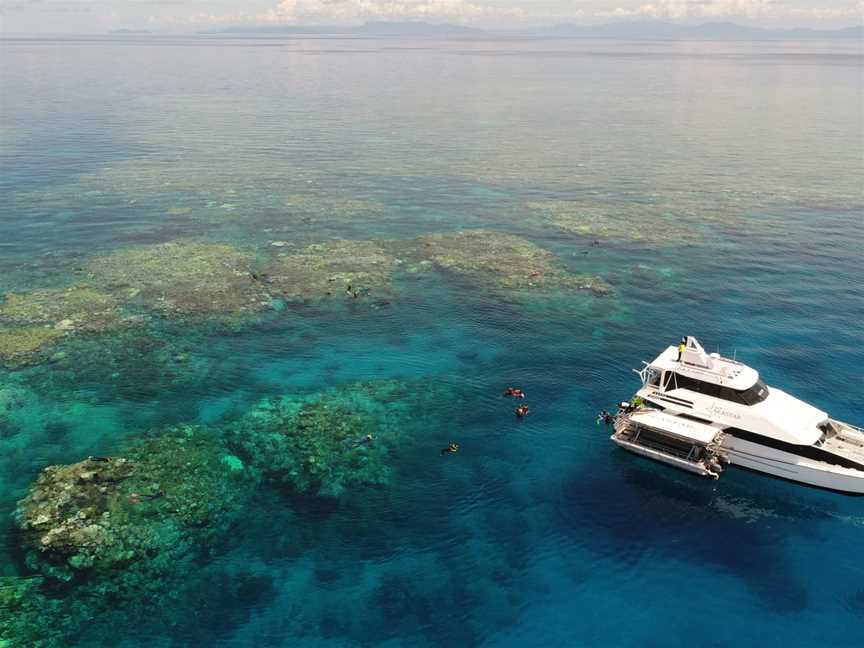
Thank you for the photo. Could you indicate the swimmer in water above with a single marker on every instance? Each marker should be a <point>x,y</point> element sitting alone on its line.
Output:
<point>515,392</point>
<point>453,448</point>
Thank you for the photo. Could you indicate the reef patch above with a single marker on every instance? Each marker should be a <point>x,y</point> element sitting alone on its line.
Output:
<point>645,223</point>
<point>325,442</point>
<point>504,262</point>
<point>184,278</point>
<point>334,269</point>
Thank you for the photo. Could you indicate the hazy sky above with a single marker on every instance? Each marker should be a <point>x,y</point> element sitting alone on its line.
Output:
<point>187,15</point>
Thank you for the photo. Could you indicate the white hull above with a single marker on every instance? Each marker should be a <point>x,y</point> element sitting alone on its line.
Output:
<point>725,407</point>
<point>794,468</point>
<point>689,466</point>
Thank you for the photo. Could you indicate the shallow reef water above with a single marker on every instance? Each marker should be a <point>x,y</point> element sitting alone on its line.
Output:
<point>248,299</point>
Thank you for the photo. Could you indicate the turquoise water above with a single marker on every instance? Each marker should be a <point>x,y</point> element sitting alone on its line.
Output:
<point>722,188</point>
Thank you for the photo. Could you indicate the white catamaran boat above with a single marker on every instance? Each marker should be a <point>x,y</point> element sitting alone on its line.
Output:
<point>699,411</point>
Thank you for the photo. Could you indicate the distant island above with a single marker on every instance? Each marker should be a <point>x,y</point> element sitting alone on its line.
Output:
<point>130,31</point>
<point>368,30</point>
<point>641,30</point>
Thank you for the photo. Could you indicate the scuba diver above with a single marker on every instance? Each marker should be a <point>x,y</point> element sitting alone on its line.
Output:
<point>367,439</point>
<point>605,417</point>
<point>453,448</point>
<point>522,411</point>
<point>515,392</point>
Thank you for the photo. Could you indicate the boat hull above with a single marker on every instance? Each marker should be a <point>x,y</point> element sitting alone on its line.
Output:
<point>650,453</point>
<point>790,467</point>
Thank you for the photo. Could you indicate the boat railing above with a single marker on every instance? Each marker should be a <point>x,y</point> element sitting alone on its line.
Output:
<point>632,432</point>
<point>848,426</point>
<point>659,447</point>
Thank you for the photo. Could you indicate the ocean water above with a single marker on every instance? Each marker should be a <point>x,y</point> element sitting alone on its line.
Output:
<point>724,187</point>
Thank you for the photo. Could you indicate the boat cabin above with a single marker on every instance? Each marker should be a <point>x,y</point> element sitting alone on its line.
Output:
<point>703,373</point>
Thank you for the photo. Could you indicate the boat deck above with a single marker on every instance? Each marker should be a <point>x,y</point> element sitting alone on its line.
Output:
<point>848,441</point>
<point>669,439</point>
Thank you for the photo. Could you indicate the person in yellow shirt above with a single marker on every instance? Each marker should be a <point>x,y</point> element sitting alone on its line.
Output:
<point>681,347</point>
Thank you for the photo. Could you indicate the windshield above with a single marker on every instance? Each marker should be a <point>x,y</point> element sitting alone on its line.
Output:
<point>756,394</point>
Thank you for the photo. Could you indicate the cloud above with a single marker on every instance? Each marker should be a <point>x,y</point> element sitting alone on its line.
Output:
<point>828,13</point>
<point>343,11</point>
<point>716,9</point>
<point>679,9</point>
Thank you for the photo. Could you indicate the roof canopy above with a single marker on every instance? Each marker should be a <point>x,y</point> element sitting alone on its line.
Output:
<point>676,425</point>
<point>711,368</point>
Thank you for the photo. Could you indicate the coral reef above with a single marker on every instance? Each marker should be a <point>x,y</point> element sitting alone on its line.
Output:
<point>31,322</point>
<point>24,610</point>
<point>167,496</point>
<point>318,207</point>
<point>334,269</point>
<point>122,538</point>
<point>116,535</point>
<point>325,442</point>
<point>21,345</point>
<point>134,363</point>
<point>16,405</point>
<point>79,308</point>
<point>504,262</point>
<point>184,278</point>
<point>620,220</point>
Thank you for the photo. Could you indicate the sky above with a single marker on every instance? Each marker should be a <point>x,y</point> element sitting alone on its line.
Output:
<point>98,16</point>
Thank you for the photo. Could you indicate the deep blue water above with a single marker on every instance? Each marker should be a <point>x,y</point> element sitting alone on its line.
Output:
<point>539,532</point>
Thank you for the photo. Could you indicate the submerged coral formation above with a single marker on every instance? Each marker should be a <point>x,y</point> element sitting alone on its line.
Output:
<point>119,530</point>
<point>184,278</point>
<point>338,268</point>
<point>620,220</point>
<point>325,442</point>
<point>29,618</point>
<point>77,308</point>
<point>316,206</point>
<point>14,404</point>
<point>118,535</point>
<point>135,363</point>
<point>30,322</point>
<point>504,262</point>
<point>167,494</point>
<point>20,345</point>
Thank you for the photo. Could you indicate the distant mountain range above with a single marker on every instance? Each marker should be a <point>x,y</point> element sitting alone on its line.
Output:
<point>369,30</point>
<point>643,30</point>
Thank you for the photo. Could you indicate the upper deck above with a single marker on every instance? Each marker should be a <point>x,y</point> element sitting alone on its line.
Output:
<point>711,368</point>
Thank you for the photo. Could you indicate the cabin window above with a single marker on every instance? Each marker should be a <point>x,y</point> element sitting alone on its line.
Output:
<point>755,394</point>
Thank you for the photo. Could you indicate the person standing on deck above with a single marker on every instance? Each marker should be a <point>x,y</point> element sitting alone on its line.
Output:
<point>681,347</point>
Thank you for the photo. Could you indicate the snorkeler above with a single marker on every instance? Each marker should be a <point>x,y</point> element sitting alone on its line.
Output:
<point>605,417</point>
<point>515,392</point>
<point>522,411</point>
<point>453,448</point>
